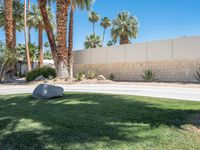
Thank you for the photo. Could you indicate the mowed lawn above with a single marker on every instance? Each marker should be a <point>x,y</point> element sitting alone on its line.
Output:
<point>97,121</point>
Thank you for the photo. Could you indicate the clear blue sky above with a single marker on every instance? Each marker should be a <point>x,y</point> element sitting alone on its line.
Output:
<point>159,19</point>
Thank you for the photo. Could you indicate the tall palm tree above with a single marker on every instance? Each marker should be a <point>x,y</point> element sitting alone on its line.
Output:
<point>18,9</point>
<point>105,23</point>
<point>94,18</point>
<point>17,20</point>
<point>8,5</point>
<point>8,18</point>
<point>92,41</point>
<point>61,21</point>
<point>29,28</point>
<point>25,37</point>
<point>81,4</point>
<point>125,27</point>
<point>50,34</point>
<point>36,21</point>
<point>59,45</point>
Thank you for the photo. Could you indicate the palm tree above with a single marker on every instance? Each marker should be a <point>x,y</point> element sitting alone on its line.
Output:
<point>61,21</point>
<point>33,51</point>
<point>47,55</point>
<point>26,42</point>
<point>8,5</point>
<point>125,26</point>
<point>93,41</point>
<point>59,45</point>
<point>18,9</point>
<point>81,4</point>
<point>105,23</point>
<point>8,8</point>
<point>94,18</point>
<point>36,21</point>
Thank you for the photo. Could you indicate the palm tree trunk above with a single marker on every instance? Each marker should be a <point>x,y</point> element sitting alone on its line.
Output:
<point>49,31</point>
<point>29,28</point>
<point>9,23</point>
<point>14,44</point>
<point>70,42</point>
<point>14,35</point>
<point>124,39</point>
<point>26,43</point>
<point>104,31</point>
<point>93,28</point>
<point>40,45</point>
<point>61,16</point>
<point>8,5</point>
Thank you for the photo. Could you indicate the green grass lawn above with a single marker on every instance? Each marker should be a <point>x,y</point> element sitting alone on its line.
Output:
<point>97,121</point>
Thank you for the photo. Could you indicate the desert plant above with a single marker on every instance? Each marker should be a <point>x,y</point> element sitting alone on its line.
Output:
<point>44,71</point>
<point>148,75</point>
<point>80,76</point>
<point>91,74</point>
<point>197,75</point>
<point>7,59</point>
<point>111,76</point>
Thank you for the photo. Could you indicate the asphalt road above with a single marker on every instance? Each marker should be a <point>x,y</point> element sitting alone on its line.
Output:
<point>192,94</point>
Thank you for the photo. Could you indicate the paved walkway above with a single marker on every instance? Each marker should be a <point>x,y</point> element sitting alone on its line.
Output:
<point>192,94</point>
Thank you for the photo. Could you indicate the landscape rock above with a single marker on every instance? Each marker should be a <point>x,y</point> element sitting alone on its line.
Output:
<point>47,91</point>
<point>101,77</point>
<point>40,78</point>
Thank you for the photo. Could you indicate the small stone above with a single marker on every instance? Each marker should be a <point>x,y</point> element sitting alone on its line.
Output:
<point>101,77</point>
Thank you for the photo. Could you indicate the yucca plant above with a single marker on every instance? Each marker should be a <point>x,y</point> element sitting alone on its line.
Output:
<point>148,75</point>
<point>197,75</point>
<point>91,74</point>
<point>80,76</point>
<point>111,76</point>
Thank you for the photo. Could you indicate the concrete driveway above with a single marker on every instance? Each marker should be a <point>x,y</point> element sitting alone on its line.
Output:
<point>181,93</point>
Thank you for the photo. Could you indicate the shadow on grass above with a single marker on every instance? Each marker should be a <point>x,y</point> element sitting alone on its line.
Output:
<point>81,118</point>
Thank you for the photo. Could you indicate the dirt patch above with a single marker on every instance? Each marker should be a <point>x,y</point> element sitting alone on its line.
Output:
<point>194,123</point>
<point>69,82</point>
<point>95,81</point>
<point>192,128</point>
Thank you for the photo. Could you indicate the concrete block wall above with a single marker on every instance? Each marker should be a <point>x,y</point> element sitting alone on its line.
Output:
<point>173,60</point>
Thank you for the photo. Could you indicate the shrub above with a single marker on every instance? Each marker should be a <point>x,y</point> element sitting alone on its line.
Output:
<point>44,71</point>
<point>80,76</point>
<point>197,75</point>
<point>7,61</point>
<point>111,76</point>
<point>148,75</point>
<point>91,74</point>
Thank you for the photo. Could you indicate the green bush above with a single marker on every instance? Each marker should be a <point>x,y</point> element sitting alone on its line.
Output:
<point>91,74</point>
<point>111,76</point>
<point>148,75</point>
<point>7,61</point>
<point>44,71</point>
<point>197,75</point>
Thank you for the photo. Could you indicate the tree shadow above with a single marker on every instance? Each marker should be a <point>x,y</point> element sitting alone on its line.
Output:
<point>82,118</point>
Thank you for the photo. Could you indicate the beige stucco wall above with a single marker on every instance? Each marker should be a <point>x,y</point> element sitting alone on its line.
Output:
<point>170,60</point>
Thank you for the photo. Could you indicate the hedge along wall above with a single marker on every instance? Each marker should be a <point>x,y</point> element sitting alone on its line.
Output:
<point>171,60</point>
